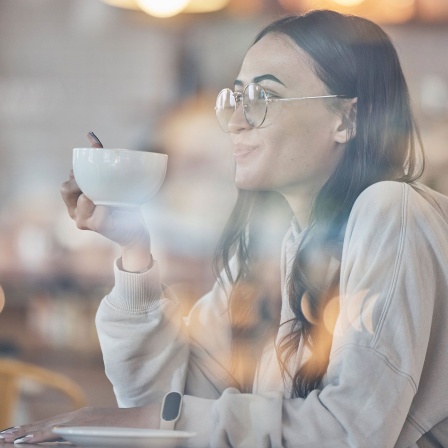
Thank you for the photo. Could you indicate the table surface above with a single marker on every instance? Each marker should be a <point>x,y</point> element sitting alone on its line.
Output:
<point>55,445</point>
<point>49,444</point>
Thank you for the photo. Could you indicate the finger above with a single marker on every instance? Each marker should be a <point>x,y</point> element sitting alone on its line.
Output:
<point>70,193</point>
<point>18,432</point>
<point>7,431</point>
<point>99,220</point>
<point>44,435</point>
<point>70,189</point>
<point>94,140</point>
<point>10,436</point>
<point>43,426</point>
<point>85,209</point>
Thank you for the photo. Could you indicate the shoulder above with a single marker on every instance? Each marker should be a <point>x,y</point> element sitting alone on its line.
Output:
<point>379,206</point>
<point>381,197</point>
<point>391,206</point>
<point>391,197</point>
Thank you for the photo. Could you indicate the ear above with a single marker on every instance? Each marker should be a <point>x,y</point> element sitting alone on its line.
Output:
<point>346,129</point>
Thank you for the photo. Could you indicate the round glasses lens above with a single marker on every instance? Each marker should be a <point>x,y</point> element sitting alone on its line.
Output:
<point>225,108</point>
<point>255,105</point>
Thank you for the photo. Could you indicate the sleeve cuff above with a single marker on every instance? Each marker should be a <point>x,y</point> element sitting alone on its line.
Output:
<point>136,291</point>
<point>196,416</point>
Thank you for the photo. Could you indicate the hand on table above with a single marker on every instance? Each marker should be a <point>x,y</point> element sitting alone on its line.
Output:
<point>147,417</point>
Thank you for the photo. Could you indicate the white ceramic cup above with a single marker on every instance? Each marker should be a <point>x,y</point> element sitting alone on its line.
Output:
<point>118,177</point>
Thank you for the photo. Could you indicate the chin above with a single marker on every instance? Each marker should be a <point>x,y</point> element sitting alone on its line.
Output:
<point>245,180</point>
<point>246,184</point>
<point>252,186</point>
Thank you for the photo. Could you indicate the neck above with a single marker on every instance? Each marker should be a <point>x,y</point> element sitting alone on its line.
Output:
<point>301,208</point>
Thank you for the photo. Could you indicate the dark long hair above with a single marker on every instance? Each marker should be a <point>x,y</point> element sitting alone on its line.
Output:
<point>355,58</point>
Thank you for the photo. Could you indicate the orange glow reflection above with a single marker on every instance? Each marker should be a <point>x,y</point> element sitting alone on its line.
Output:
<point>381,11</point>
<point>331,314</point>
<point>357,313</point>
<point>2,299</point>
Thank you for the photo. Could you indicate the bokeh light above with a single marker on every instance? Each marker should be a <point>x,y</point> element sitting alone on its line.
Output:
<point>167,8</point>
<point>198,6</point>
<point>348,2</point>
<point>2,299</point>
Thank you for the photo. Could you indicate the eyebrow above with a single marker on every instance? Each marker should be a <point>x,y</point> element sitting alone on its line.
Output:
<point>257,79</point>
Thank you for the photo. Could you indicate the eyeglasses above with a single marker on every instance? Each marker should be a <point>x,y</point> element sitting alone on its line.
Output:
<point>255,102</point>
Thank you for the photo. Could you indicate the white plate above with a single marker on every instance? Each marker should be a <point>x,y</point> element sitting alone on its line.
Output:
<point>98,436</point>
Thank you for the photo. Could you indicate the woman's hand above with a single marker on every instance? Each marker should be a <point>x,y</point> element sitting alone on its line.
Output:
<point>120,225</point>
<point>147,417</point>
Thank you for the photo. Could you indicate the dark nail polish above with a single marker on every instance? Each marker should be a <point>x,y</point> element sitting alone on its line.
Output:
<point>95,138</point>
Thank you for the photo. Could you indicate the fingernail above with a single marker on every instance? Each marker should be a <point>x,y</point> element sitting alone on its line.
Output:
<point>9,429</point>
<point>95,138</point>
<point>24,439</point>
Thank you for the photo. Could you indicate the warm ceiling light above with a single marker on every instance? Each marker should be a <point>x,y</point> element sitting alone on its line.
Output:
<point>405,3</point>
<point>197,6</point>
<point>433,11</point>
<point>162,8</point>
<point>125,4</point>
<point>348,2</point>
<point>206,5</point>
<point>380,11</point>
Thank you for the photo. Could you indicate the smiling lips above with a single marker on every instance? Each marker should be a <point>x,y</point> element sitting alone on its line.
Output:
<point>242,151</point>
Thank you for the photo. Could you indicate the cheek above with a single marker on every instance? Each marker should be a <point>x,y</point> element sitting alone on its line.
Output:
<point>299,127</point>
<point>300,146</point>
<point>302,136</point>
<point>295,140</point>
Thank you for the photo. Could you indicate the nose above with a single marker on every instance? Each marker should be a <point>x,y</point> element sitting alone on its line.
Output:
<point>238,122</point>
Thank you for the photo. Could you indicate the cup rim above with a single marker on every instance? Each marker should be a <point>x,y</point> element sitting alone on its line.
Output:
<point>122,149</point>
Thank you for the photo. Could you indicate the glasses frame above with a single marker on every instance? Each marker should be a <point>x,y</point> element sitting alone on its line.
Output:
<point>239,99</point>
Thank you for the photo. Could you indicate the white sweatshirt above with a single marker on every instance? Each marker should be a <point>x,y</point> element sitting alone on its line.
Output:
<point>387,381</point>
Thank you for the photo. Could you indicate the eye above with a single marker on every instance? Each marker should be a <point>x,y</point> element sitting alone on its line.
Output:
<point>271,95</point>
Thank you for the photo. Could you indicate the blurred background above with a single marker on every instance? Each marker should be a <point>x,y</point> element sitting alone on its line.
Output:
<point>143,74</point>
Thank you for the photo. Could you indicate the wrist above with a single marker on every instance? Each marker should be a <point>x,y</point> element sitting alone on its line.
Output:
<point>137,257</point>
<point>148,416</point>
<point>170,410</point>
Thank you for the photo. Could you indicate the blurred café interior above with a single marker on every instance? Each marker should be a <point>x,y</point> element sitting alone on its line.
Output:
<point>142,74</point>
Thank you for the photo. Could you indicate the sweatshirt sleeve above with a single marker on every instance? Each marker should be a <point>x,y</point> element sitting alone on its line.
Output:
<point>388,279</point>
<point>142,338</point>
<point>149,349</point>
<point>209,333</point>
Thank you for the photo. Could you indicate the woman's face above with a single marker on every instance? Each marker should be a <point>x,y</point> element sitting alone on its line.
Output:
<point>296,149</point>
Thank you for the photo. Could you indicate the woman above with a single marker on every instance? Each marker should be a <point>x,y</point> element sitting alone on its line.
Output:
<point>348,347</point>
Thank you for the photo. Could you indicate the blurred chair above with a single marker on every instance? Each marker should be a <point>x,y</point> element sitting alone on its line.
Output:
<point>12,372</point>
